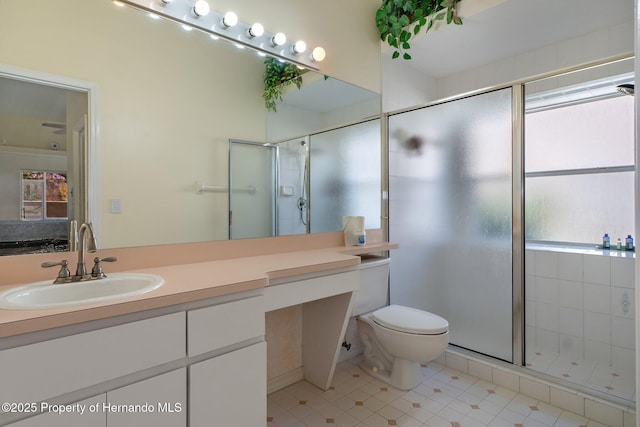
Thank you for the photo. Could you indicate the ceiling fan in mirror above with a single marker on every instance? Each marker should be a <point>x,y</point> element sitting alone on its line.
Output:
<point>61,129</point>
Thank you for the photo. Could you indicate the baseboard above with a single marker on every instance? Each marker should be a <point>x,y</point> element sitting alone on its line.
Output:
<point>285,380</point>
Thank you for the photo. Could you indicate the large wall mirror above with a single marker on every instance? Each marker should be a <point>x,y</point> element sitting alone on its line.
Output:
<point>167,102</point>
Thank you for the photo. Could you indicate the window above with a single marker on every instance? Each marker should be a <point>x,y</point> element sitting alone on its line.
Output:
<point>579,171</point>
<point>44,195</point>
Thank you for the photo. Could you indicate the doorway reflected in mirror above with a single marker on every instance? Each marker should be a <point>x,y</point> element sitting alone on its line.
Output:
<point>42,165</point>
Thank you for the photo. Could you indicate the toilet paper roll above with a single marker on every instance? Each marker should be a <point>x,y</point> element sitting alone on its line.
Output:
<point>354,232</point>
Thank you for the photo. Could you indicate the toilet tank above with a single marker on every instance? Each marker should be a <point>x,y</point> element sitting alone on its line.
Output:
<point>374,284</point>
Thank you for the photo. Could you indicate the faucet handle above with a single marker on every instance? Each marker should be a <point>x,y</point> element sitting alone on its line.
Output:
<point>96,271</point>
<point>64,275</point>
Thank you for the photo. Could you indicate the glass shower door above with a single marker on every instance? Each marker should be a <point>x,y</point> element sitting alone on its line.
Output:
<point>252,183</point>
<point>345,176</point>
<point>450,202</point>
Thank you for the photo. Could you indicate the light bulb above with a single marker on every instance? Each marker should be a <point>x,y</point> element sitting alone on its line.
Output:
<point>230,19</point>
<point>186,27</point>
<point>201,8</point>
<point>153,16</point>
<point>299,47</point>
<point>318,54</point>
<point>256,30</point>
<point>279,39</point>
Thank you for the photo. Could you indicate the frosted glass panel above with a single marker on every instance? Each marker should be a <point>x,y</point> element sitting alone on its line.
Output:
<point>345,176</point>
<point>579,208</point>
<point>252,188</point>
<point>589,135</point>
<point>450,204</point>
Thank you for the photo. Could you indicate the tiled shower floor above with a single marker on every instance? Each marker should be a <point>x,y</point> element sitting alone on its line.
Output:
<point>596,376</point>
<point>446,398</point>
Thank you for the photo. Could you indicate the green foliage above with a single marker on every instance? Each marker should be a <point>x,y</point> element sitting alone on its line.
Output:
<point>278,75</point>
<point>394,19</point>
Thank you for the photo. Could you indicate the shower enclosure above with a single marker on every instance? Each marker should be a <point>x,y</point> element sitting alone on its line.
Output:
<point>306,184</point>
<point>450,197</point>
<point>499,200</point>
<point>345,176</point>
<point>252,184</point>
<point>292,197</point>
<point>580,322</point>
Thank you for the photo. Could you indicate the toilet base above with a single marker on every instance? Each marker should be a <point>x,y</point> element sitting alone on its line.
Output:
<point>405,374</point>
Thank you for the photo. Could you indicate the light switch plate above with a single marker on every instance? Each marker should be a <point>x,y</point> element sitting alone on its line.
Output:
<point>116,206</point>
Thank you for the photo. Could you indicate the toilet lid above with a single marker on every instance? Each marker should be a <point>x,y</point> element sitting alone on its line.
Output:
<point>410,320</point>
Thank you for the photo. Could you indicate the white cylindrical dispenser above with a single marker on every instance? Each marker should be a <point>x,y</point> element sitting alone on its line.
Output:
<point>354,232</point>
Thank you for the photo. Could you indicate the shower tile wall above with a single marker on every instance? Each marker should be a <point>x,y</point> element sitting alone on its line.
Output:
<point>580,308</point>
<point>291,174</point>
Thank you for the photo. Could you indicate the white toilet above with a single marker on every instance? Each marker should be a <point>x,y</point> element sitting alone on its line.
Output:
<point>396,339</point>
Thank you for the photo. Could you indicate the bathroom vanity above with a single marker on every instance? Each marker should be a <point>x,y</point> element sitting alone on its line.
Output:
<point>190,353</point>
<point>134,369</point>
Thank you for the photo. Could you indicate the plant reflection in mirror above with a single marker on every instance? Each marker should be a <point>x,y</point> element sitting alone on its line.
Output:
<point>277,76</point>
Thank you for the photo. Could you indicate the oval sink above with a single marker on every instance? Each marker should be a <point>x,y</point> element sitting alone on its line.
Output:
<point>42,295</point>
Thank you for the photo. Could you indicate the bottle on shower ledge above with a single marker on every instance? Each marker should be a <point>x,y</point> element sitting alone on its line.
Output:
<point>606,241</point>
<point>619,244</point>
<point>628,243</point>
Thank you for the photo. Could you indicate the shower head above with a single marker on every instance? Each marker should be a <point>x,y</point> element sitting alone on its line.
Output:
<point>626,89</point>
<point>303,143</point>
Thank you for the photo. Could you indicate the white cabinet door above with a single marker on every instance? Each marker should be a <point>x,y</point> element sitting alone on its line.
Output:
<point>40,371</point>
<point>87,413</point>
<point>157,402</point>
<point>230,390</point>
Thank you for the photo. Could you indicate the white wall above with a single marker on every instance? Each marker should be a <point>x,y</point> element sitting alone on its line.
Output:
<point>28,132</point>
<point>579,50</point>
<point>405,87</point>
<point>289,122</point>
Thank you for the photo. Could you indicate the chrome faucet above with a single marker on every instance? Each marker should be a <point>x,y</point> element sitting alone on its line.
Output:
<point>81,270</point>
<point>64,275</point>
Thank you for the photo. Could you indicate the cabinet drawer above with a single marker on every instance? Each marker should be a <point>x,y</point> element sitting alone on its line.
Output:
<point>211,328</point>
<point>39,371</point>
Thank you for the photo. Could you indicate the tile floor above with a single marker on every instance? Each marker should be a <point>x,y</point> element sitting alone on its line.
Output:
<point>446,398</point>
<point>615,381</point>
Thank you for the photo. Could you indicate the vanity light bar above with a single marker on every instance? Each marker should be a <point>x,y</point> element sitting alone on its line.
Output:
<point>213,23</point>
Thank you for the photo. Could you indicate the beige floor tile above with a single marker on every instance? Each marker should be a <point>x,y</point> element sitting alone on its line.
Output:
<point>445,398</point>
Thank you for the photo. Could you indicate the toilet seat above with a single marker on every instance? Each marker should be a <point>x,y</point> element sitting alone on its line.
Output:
<point>410,320</point>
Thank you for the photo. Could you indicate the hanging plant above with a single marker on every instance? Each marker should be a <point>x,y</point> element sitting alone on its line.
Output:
<point>277,76</point>
<point>395,17</point>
